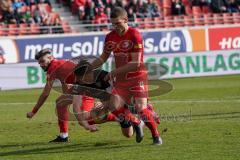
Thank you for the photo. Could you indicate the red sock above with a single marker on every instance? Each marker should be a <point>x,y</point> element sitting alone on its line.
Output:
<point>125,115</point>
<point>110,117</point>
<point>62,112</point>
<point>149,121</point>
<point>155,115</point>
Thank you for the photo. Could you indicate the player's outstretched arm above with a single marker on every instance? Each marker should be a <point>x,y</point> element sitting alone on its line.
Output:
<point>100,60</point>
<point>130,67</point>
<point>42,98</point>
<point>81,115</point>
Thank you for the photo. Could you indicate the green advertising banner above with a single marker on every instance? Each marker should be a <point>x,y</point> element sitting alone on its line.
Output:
<point>30,75</point>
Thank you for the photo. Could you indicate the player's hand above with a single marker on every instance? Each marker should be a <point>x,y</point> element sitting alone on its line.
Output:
<point>30,115</point>
<point>92,128</point>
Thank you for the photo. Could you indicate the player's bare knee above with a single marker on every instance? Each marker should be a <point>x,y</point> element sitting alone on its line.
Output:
<point>127,132</point>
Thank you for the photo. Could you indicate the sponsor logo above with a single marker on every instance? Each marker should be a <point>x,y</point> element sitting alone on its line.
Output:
<point>228,39</point>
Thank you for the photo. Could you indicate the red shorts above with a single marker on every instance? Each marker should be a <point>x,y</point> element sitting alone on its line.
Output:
<point>87,103</point>
<point>128,90</point>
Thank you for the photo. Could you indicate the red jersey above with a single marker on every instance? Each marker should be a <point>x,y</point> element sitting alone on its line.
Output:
<point>61,70</point>
<point>64,71</point>
<point>122,47</point>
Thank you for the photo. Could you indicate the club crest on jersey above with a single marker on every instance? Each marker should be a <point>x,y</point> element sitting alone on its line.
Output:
<point>109,46</point>
<point>125,45</point>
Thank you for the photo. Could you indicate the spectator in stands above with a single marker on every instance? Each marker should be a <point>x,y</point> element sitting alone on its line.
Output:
<point>76,5</point>
<point>89,11</point>
<point>131,15</point>
<point>44,1</point>
<point>134,5</point>
<point>110,4</point>
<point>142,11</point>
<point>200,3</point>
<point>7,11</point>
<point>27,17</point>
<point>56,26</point>
<point>152,9</point>
<point>31,3</point>
<point>100,18</point>
<point>122,3</point>
<point>232,6</point>
<point>218,6</point>
<point>177,7</point>
<point>17,4</point>
<point>37,16</point>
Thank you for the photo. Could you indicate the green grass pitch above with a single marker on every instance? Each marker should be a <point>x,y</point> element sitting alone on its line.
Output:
<point>201,115</point>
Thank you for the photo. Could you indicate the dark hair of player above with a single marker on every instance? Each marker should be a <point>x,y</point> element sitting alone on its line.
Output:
<point>42,53</point>
<point>118,12</point>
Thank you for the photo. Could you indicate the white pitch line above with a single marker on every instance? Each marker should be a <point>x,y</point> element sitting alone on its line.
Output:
<point>152,101</point>
<point>196,101</point>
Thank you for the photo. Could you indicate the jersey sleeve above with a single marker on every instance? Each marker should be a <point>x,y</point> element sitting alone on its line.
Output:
<point>109,44</point>
<point>137,41</point>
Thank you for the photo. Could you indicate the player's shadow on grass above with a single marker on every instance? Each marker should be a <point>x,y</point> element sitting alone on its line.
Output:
<point>9,146</point>
<point>62,148</point>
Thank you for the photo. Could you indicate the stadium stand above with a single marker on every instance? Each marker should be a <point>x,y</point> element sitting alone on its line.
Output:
<point>25,17</point>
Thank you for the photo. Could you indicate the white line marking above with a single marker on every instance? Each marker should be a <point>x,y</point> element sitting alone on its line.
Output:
<point>152,101</point>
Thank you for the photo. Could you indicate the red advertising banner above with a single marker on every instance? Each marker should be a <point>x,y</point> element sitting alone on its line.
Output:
<point>224,38</point>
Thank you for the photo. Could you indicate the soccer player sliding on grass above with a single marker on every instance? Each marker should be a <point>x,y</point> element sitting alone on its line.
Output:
<point>92,83</point>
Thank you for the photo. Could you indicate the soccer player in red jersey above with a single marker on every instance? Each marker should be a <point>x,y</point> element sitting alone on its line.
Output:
<point>63,71</point>
<point>130,75</point>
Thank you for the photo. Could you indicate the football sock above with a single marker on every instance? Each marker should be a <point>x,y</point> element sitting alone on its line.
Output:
<point>147,117</point>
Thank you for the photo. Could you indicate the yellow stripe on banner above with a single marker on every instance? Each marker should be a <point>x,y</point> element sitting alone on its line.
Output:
<point>198,39</point>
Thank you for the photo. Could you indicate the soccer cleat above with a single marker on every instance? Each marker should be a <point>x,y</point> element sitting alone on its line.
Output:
<point>157,141</point>
<point>139,131</point>
<point>59,139</point>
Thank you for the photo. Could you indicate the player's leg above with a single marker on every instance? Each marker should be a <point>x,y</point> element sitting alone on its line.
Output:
<point>124,96</point>
<point>147,116</point>
<point>62,104</point>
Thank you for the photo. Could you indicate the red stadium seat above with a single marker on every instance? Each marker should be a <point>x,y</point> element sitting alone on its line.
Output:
<point>168,22</point>
<point>208,19</point>
<point>196,10</point>
<point>188,10</point>
<point>13,30</point>
<point>158,22</point>
<point>23,29</point>
<point>3,30</point>
<point>34,28</point>
<point>227,18</point>
<point>198,20</point>
<point>25,8</point>
<point>217,18</point>
<point>178,21</point>
<point>236,18</point>
<point>188,20</point>
<point>167,12</point>
<point>206,9</point>
<point>167,3</point>
<point>148,23</point>
<point>140,23</point>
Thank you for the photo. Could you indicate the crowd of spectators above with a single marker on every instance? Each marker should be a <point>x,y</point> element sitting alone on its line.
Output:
<point>30,12</point>
<point>88,9</point>
<point>98,11</point>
